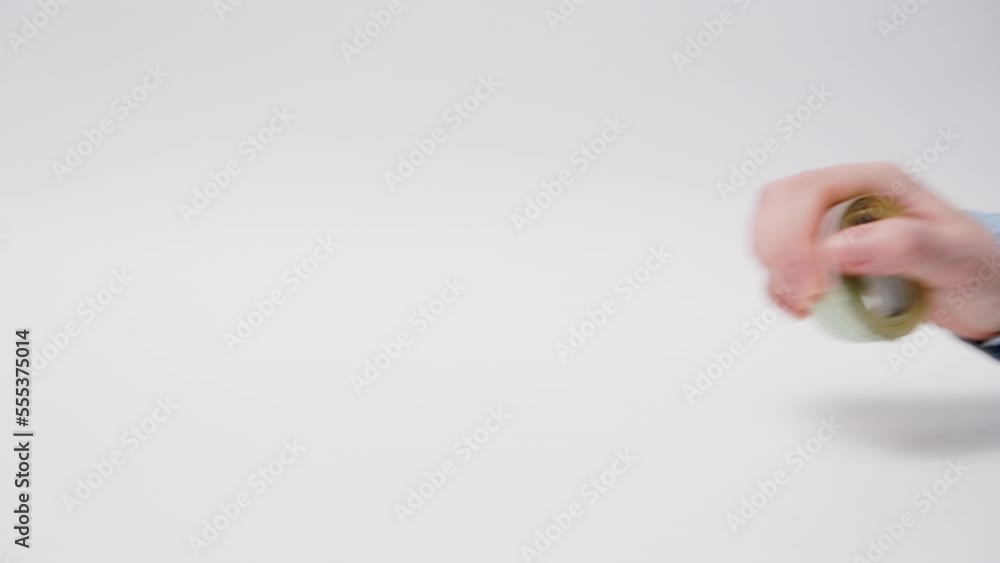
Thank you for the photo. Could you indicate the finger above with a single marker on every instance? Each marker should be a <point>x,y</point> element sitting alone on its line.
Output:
<point>786,234</point>
<point>898,246</point>
<point>780,295</point>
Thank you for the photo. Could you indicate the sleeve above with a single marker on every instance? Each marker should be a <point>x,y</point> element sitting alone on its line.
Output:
<point>992,224</point>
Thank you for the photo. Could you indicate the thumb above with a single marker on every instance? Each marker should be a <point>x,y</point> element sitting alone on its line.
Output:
<point>897,246</point>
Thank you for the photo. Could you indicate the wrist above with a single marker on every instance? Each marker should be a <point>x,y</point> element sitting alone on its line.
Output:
<point>988,282</point>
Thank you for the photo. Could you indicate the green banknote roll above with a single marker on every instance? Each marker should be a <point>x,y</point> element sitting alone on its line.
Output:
<point>863,308</point>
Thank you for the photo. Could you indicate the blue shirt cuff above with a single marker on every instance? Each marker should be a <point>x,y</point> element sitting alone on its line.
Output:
<point>992,224</point>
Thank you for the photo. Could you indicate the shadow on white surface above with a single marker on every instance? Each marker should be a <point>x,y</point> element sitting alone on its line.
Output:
<point>919,426</point>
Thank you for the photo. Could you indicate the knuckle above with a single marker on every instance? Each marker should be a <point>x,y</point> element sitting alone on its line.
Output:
<point>774,192</point>
<point>889,169</point>
<point>895,177</point>
<point>913,242</point>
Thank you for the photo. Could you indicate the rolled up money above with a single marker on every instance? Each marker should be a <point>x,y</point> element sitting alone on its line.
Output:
<point>867,308</point>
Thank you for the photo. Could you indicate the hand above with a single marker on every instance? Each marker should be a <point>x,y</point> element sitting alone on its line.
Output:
<point>932,243</point>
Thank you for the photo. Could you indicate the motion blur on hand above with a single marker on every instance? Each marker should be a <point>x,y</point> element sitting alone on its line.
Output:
<point>946,250</point>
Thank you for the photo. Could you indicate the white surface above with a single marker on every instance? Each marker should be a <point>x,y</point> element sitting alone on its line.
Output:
<point>496,344</point>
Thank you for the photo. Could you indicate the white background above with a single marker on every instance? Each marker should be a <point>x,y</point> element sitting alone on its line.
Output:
<point>496,345</point>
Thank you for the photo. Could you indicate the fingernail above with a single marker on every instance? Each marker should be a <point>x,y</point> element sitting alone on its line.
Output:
<point>803,287</point>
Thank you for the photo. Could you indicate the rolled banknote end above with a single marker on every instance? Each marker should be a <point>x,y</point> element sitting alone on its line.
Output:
<point>866,308</point>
